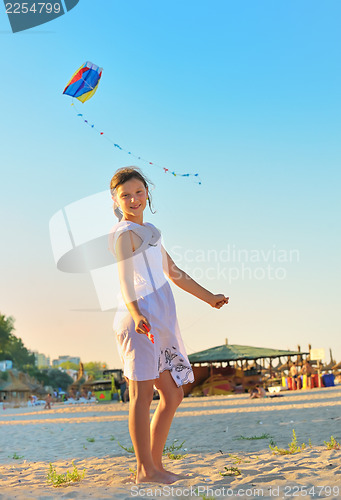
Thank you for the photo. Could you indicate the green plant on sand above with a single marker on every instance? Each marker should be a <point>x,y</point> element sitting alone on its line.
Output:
<point>332,444</point>
<point>231,471</point>
<point>293,447</point>
<point>133,472</point>
<point>174,456</point>
<point>168,450</point>
<point>239,460</point>
<point>64,479</point>
<point>129,449</point>
<point>173,447</point>
<point>253,438</point>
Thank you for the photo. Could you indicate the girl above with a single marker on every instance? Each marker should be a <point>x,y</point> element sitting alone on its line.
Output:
<point>146,325</point>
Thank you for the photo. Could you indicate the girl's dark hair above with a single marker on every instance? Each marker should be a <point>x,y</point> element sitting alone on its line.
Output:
<point>123,175</point>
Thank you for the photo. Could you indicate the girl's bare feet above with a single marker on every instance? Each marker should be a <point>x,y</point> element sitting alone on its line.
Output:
<point>156,476</point>
<point>176,476</point>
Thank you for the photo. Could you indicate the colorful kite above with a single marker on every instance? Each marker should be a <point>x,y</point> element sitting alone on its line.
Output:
<point>82,86</point>
<point>84,82</point>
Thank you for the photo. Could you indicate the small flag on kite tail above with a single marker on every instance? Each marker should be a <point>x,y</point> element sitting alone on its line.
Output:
<point>82,86</point>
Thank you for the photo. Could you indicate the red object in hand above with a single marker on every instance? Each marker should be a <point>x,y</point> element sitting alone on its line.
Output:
<point>149,335</point>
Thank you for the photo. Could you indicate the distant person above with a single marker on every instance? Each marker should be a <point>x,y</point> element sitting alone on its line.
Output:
<point>294,376</point>
<point>48,400</point>
<point>293,371</point>
<point>307,370</point>
<point>258,392</point>
<point>123,389</point>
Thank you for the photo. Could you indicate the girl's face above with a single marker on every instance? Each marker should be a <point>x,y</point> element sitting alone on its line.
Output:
<point>132,198</point>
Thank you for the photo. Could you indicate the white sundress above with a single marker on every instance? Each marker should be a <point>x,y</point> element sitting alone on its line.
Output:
<point>143,360</point>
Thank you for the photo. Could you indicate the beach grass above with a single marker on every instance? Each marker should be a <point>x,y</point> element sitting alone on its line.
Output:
<point>129,449</point>
<point>239,460</point>
<point>173,456</point>
<point>253,438</point>
<point>168,450</point>
<point>133,472</point>
<point>293,447</point>
<point>332,444</point>
<point>204,497</point>
<point>231,471</point>
<point>64,479</point>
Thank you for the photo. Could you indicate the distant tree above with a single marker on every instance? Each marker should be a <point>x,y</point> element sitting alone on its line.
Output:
<point>17,352</point>
<point>57,379</point>
<point>40,375</point>
<point>6,329</point>
<point>95,369</point>
<point>12,347</point>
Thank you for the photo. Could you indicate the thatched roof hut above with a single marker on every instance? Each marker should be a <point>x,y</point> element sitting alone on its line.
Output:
<point>228,359</point>
<point>19,386</point>
<point>14,389</point>
<point>228,353</point>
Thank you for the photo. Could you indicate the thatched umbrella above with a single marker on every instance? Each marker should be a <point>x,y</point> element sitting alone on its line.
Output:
<point>329,366</point>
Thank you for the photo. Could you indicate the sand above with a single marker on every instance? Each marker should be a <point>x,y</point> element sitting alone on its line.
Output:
<point>212,428</point>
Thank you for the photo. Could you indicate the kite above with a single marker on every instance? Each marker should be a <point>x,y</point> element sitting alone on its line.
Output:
<point>82,86</point>
<point>84,82</point>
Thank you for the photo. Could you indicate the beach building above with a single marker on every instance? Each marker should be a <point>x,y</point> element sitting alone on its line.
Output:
<point>14,390</point>
<point>65,359</point>
<point>6,365</point>
<point>41,361</point>
<point>230,369</point>
<point>18,386</point>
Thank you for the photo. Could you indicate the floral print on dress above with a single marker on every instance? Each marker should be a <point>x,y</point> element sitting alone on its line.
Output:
<point>170,359</point>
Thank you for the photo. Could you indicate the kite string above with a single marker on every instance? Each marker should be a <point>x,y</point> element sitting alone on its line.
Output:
<point>166,170</point>
<point>86,83</point>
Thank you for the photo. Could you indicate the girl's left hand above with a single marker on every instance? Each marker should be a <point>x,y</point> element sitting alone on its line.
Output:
<point>217,301</point>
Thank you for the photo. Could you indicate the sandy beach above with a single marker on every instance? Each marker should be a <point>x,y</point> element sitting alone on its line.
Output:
<point>214,430</point>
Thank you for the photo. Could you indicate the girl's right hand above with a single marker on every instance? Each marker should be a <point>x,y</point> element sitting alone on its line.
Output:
<point>139,321</point>
<point>217,301</point>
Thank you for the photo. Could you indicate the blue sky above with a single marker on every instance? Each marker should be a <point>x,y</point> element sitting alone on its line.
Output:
<point>245,93</point>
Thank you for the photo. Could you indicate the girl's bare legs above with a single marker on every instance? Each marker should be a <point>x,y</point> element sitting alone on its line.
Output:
<point>170,398</point>
<point>141,396</point>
